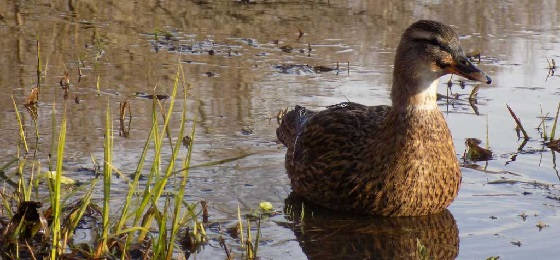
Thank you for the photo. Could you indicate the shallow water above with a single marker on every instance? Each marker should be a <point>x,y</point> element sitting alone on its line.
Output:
<point>238,91</point>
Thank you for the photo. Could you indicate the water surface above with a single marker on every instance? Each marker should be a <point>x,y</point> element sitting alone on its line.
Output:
<point>238,60</point>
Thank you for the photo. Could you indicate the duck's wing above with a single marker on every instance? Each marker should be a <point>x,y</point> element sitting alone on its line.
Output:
<point>347,114</point>
<point>339,130</point>
<point>324,147</point>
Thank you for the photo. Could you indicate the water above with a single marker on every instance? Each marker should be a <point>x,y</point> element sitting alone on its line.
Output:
<point>238,91</point>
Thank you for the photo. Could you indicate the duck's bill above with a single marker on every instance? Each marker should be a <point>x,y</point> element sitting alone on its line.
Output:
<point>464,67</point>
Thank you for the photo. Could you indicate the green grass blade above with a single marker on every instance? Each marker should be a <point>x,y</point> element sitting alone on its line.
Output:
<point>107,172</point>
<point>6,205</point>
<point>50,182</point>
<point>132,186</point>
<point>161,181</point>
<point>85,201</point>
<point>153,170</point>
<point>56,189</point>
<point>180,191</point>
<point>20,124</point>
<point>553,131</point>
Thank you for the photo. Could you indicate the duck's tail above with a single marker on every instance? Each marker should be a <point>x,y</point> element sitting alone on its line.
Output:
<point>291,124</point>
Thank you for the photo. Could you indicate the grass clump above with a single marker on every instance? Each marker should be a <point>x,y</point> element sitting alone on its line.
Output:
<point>148,225</point>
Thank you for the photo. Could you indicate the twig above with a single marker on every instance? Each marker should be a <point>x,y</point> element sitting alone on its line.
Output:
<point>518,122</point>
<point>30,250</point>
<point>223,244</point>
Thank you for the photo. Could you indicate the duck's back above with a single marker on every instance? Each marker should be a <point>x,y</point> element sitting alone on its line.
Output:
<point>326,147</point>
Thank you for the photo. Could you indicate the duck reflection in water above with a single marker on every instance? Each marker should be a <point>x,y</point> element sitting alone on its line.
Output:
<point>326,234</point>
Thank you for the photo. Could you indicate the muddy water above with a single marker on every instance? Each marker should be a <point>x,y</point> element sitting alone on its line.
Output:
<point>240,61</point>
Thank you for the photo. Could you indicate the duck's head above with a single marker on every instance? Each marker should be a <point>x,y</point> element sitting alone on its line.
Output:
<point>427,51</point>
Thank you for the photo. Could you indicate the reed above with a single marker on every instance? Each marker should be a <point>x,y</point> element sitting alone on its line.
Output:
<point>135,218</point>
<point>55,245</point>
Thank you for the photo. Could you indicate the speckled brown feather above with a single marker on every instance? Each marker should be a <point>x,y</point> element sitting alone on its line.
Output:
<point>371,159</point>
<point>381,160</point>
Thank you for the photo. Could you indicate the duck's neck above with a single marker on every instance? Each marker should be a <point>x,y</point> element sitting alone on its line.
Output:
<point>416,94</point>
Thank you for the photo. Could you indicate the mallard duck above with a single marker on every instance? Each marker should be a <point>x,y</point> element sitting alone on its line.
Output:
<point>394,160</point>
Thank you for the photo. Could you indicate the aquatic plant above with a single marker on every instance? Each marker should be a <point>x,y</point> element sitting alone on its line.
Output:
<point>129,233</point>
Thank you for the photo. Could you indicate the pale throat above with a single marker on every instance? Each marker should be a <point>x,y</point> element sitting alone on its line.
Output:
<point>426,99</point>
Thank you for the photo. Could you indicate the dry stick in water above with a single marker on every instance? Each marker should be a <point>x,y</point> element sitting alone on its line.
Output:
<point>518,122</point>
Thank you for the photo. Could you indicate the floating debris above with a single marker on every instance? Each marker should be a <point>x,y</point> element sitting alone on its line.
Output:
<point>474,56</point>
<point>33,97</point>
<point>247,131</point>
<point>149,96</point>
<point>553,197</point>
<point>551,67</point>
<point>554,145</point>
<point>475,152</point>
<point>187,141</point>
<point>321,68</point>
<point>205,215</point>
<point>286,48</point>
<point>65,81</point>
<point>551,64</point>
<point>124,130</point>
<point>303,69</point>
<point>541,225</point>
<point>462,84</point>
<point>301,33</point>
<point>31,102</point>
<point>234,231</point>
<point>295,69</point>
<point>250,42</point>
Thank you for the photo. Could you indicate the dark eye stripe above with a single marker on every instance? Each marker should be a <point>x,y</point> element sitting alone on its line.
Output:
<point>435,42</point>
<point>432,41</point>
<point>442,65</point>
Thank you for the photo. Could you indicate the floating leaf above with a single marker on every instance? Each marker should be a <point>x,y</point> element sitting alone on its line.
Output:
<point>266,206</point>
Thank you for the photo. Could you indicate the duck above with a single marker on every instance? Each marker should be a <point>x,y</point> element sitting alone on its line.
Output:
<point>396,160</point>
